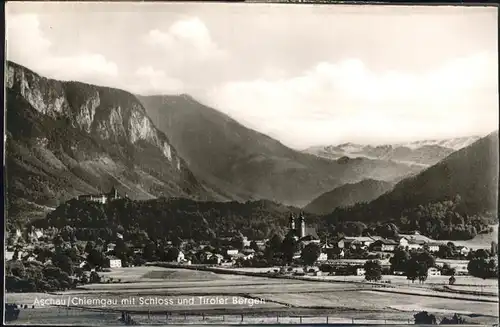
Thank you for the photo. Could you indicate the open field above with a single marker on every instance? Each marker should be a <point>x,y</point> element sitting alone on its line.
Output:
<point>260,299</point>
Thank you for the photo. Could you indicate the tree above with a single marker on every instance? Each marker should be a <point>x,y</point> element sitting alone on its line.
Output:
<point>310,253</point>
<point>172,254</point>
<point>373,270</point>
<point>96,258</point>
<point>417,267</point>
<point>94,277</point>
<point>480,254</point>
<point>275,243</point>
<point>445,251</point>
<point>89,246</point>
<point>494,248</point>
<point>446,270</point>
<point>238,241</point>
<point>63,262</point>
<point>412,269</point>
<point>254,246</point>
<point>399,260</point>
<point>483,268</point>
<point>452,280</point>
<point>289,247</point>
<point>424,318</point>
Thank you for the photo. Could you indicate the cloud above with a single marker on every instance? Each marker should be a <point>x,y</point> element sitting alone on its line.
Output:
<point>345,99</point>
<point>24,37</point>
<point>185,41</point>
<point>27,45</point>
<point>151,81</point>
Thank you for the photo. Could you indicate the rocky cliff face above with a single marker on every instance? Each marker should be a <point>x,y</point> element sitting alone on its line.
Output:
<point>69,138</point>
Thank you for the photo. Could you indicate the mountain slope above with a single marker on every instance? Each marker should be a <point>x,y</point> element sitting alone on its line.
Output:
<point>251,165</point>
<point>471,173</point>
<point>347,195</point>
<point>423,153</point>
<point>69,138</point>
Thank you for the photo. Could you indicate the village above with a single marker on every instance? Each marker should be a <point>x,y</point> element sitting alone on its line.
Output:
<point>300,252</point>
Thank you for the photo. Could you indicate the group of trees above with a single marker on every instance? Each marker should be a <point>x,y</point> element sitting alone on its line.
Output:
<point>414,264</point>
<point>34,276</point>
<point>483,265</point>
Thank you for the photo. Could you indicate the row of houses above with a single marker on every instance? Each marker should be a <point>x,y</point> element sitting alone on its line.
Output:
<point>414,241</point>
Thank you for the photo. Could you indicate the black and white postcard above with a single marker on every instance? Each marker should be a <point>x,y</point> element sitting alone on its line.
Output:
<point>194,163</point>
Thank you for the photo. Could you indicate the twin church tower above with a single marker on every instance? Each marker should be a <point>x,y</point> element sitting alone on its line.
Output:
<point>298,225</point>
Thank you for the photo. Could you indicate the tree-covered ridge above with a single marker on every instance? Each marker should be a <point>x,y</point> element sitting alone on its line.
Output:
<point>172,218</point>
<point>175,217</point>
<point>444,220</point>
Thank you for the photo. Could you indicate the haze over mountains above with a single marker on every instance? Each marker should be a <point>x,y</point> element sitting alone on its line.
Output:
<point>71,138</point>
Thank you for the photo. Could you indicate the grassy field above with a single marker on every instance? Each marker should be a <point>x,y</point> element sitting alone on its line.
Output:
<point>182,291</point>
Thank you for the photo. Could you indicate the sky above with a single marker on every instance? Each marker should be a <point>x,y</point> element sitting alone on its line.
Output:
<point>306,75</point>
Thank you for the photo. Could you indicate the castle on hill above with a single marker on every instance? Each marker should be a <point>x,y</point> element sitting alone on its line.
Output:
<point>299,228</point>
<point>101,198</point>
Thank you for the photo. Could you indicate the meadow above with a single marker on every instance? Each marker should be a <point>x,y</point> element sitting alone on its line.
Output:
<point>150,292</point>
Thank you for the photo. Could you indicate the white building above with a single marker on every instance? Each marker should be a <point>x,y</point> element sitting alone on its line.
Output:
<point>361,241</point>
<point>403,242</point>
<point>248,256</point>
<point>433,272</point>
<point>323,257</point>
<point>360,271</point>
<point>463,250</point>
<point>180,257</point>
<point>9,255</point>
<point>115,263</point>
<point>110,247</point>
<point>414,246</point>
<point>232,252</point>
<point>433,247</point>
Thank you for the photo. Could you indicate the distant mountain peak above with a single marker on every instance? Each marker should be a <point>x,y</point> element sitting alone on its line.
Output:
<point>422,153</point>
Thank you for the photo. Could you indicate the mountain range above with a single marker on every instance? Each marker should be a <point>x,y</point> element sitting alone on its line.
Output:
<point>64,139</point>
<point>423,153</point>
<point>251,165</point>
<point>471,173</point>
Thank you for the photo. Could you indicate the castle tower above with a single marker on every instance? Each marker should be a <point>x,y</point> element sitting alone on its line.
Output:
<point>292,222</point>
<point>302,223</point>
<point>113,194</point>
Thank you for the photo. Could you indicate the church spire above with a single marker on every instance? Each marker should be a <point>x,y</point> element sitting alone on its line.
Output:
<point>292,221</point>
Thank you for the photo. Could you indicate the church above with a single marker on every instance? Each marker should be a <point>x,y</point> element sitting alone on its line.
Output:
<point>298,227</point>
